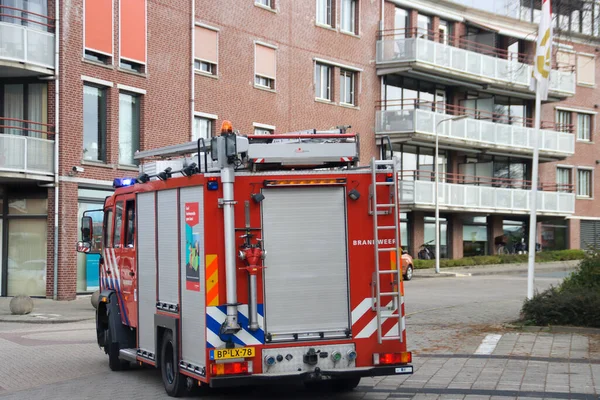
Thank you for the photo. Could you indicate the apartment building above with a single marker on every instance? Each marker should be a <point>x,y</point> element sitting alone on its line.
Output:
<point>85,84</point>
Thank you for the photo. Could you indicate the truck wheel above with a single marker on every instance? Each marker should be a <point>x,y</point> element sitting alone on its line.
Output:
<point>345,384</point>
<point>409,273</point>
<point>175,383</point>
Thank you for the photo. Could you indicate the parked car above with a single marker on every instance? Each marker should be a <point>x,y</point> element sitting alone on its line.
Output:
<point>407,265</point>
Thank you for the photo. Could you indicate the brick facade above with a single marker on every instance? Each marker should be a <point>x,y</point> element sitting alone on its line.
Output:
<point>167,105</point>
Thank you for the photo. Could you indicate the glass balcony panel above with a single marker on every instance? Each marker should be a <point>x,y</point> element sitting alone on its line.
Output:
<point>473,196</point>
<point>424,192</point>
<point>26,154</point>
<point>26,45</point>
<point>520,199</point>
<point>426,50</point>
<point>488,198</point>
<point>488,131</point>
<point>519,136</point>
<point>443,55</point>
<point>459,59</point>
<point>504,198</point>
<point>426,121</point>
<point>503,134</point>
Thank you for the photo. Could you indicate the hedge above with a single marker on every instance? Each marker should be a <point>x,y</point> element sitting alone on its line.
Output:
<point>575,302</point>
<point>544,256</point>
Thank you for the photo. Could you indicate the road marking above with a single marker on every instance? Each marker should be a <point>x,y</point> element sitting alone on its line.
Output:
<point>488,344</point>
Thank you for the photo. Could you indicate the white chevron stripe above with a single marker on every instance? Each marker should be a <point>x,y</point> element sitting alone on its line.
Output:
<point>116,266</point>
<point>394,330</point>
<point>243,309</point>
<point>213,338</point>
<point>371,326</point>
<point>361,309</point>
<point>243,335</point>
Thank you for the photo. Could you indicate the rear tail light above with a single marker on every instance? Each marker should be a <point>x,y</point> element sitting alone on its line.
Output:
<point>232,368</point>
<point>392,358</point>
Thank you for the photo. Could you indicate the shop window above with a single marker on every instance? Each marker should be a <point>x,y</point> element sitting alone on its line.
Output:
<point>554,235</point>
<point>429,235</point>
<point>475,236</point>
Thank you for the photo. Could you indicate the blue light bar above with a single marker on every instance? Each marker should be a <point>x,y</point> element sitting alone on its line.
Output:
<point>123,182</point>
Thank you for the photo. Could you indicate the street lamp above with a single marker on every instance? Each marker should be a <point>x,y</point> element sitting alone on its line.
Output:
<point>437,182</point>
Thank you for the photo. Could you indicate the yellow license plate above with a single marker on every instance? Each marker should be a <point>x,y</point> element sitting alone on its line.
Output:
<point>238,352</point>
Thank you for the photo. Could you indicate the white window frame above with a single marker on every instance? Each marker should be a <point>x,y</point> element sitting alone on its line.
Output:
<point>319,65</point>
<point>263,127</point>
<point>589,132</point>
<point>591,183</point>
<point>329,17</point>
<point>210,117</point>
<point>215,66</point>
<point>569,168</point>
<point>353,20</point>
<point>268,6</point>
<point>344,74</point>
<point>270,82</point>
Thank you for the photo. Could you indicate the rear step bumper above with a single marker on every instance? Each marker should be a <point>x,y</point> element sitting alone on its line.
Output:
<point>266,379</point>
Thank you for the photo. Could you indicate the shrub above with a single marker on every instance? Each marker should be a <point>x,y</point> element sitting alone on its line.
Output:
<point>544,256</point>
<point>575,302</point>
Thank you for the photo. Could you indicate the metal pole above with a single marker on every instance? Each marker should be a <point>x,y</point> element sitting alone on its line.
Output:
<point>227,178</point>
<point>533,198</point>
<point>437,201</point>
<point>56,145</point>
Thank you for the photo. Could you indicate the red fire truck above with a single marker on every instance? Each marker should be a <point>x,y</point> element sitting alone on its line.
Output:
<point>254,259</point>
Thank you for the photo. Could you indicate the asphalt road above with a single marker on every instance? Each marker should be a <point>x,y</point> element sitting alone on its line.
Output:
<point>446,318</point>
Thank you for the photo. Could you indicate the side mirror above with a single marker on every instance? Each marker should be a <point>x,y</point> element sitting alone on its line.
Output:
<point>84,247</point>
<point>86,229</point>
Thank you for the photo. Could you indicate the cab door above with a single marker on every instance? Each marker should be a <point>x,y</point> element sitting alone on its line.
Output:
<point>123,256</point>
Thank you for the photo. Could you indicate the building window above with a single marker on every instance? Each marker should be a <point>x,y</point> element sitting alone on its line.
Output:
<point>94,123</point>
<point>325,12</point>
<point>129,127</point>
<point>475,236</point>
<point>429,235</point>
<point>584,183</point>
<point>586,70</point>
<point>265,66</point>
<point>584,127</point>
<point>203,128</point>
<point>265,3</point>
<point>349,20</point>
<point>563,179</point>
<point>564,122</point>
<point>206,43</point>
<point>24,112</point>
<point>323,81</point>
<point>347,85</point>
<point>131,66</point>
<point>554,234</point>
<point>262,131</point>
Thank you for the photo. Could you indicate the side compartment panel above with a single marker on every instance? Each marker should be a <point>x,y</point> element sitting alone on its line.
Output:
<point>193,312</point>
<point>306,279</point>
<point>146,270</point>
<point>168,249</point>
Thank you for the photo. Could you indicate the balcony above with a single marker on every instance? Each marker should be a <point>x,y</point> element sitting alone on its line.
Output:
<point>489,67</point>
<point>417,120</point>
<point>26,43</point>
<point>483,194</point>
<point>25,150</point>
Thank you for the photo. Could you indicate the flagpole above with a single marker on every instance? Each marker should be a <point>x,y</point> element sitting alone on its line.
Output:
<point>533,198</point>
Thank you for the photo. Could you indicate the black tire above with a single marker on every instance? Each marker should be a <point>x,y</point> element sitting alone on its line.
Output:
<point>409,273</point>
<point>345,384</point>
<point>175,383</point>
<point>112,349</point>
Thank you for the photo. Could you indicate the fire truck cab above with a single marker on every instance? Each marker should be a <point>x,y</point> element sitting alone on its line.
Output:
<point>254,259</point>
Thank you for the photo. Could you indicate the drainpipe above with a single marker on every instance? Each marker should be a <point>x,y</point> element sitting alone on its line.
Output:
<point>192,76</point>
<point>56,139</point>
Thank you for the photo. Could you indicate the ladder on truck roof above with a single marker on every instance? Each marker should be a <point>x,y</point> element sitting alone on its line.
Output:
<point>394,308</point>
<point>301,149</point>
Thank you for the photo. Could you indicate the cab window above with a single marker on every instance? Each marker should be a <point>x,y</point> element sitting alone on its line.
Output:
<point>118,224</point>
<point>108,227</point>
<point>130,224</point>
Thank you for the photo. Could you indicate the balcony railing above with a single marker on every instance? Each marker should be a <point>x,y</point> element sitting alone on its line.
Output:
<point>508,71</point>
<point>472,193</point>
<point>26,37</point>
<point>483,128</point>
<point>25,147</point>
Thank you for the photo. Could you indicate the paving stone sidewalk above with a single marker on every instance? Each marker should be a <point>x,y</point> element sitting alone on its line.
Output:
<point>47,311</point>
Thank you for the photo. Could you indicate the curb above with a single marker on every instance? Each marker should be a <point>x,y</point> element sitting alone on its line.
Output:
<point>554,329</point>
<point>44,321</point>
<point>483,271</point>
